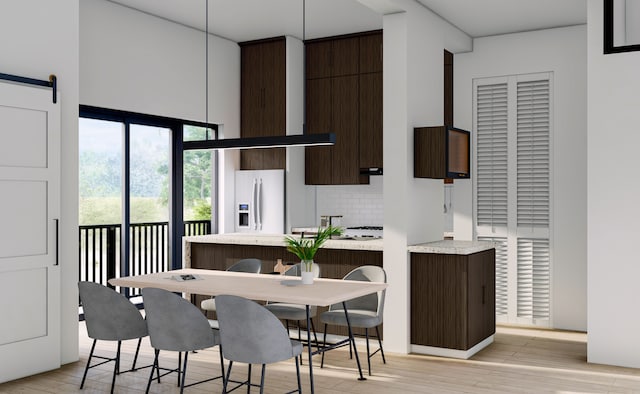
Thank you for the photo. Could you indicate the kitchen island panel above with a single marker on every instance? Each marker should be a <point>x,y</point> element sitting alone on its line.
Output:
<point>334,263</point>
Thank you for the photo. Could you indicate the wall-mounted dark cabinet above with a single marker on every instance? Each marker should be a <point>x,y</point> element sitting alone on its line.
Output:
<point>344,96</point>
<point>441,152</point>
<point>448,88</point>
<point>263,100</point>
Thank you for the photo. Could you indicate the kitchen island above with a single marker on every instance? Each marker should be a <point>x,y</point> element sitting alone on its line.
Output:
<point>452,283</point>
<point>336,258</point>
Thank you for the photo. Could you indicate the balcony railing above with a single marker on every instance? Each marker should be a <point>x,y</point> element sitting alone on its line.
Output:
<point>100,252</point>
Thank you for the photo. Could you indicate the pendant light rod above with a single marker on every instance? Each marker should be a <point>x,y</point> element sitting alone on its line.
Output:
<point>303,139</point>
<point>206,67</point>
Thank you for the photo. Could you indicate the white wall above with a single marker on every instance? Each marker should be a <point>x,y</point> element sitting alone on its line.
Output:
<point>563,52</point>
<point>136,62</point>
<point>613,192</point>
<point>38,38</point>
<point>413,84</point>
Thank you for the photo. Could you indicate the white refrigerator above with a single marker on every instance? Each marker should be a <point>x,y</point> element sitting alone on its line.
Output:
<point>259,201</point>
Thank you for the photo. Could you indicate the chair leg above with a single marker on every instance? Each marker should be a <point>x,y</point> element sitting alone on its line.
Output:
<point>184,372</point>
<point>262,379</point>
<point>153,369</point>
<point>249,380</point>
<point>324,344</point>
<point>179,363</point>
<point>86,369</point>
<point>226,381</point>
<point>116,367</point>
<point>315,335</point>
<point>135,357</point>
<point>298,376</point>
<point>287,325</point>
<point>366,334</point>
<point>380,345</point>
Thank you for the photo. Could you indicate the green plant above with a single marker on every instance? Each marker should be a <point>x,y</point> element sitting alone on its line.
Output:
<point>306,248</point>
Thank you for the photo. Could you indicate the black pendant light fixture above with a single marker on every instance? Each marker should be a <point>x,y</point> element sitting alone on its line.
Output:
<point>258,142</point>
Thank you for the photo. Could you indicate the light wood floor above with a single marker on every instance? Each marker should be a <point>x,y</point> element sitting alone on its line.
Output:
<point>519,361</point>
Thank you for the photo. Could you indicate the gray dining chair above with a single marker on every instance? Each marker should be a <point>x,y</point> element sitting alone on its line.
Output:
<point>109,316</point>
<point>364,312</point>
<point>176,325</point>
<point>295,312</point>
<point>250,334</point>
<point>245,265</point>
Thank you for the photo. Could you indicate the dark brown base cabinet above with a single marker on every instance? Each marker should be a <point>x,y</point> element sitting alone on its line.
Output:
<point>452,299</point>
<point>334,263</point>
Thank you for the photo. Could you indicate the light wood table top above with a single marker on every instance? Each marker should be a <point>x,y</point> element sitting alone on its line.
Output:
<point>322,292</point>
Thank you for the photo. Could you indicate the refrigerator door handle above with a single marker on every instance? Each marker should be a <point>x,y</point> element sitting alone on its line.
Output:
<point>254,202</point>
<point>259,204</point>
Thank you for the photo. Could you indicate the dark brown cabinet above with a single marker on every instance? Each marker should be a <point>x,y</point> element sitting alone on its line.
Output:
<point>263,100</point>
<point>441,152</point>
<point>452,299</point>
<point>344,96</point>
<point>448,88</point>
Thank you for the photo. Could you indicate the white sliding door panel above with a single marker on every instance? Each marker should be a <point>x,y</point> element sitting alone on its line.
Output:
<point>512,190</point>
<point>29,147</point>
<point>26,319</point>
<point>29,208</point>
<point>23,231</point>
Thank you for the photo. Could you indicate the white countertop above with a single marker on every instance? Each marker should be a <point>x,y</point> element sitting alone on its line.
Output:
<point>440,247</point>
<point>452,247</point>
<point>278,240</point>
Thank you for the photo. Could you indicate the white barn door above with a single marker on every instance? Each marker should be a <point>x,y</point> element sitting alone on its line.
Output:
<point>29,210</point>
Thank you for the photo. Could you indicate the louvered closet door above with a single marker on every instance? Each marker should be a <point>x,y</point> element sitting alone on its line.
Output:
<point>512,193</point>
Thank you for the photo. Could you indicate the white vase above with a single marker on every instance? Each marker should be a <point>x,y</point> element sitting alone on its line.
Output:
<point>307,276</point>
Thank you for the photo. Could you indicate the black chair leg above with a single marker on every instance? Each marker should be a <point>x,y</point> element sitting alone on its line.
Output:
<point>249,380</point>
<point>226,381</point>
<point>179,366</point>
<point>324,344</point>
<point>298,376</point>
<point>184,372</point>
<point>153,369</point>
<point>262,379</point>
<point>366,334</point>
<point>116,367</point>
<point>135,357</point>
<point>384,361</point>
<point>315,335</point>
<point>86,369</point>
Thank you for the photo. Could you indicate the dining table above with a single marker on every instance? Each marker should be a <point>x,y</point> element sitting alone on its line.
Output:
<point>263,287</point>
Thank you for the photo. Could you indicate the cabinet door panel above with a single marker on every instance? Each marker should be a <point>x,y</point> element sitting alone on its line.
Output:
<point>274,107</point>
<point>370,120</point>
<point>318,112</point>
<point>251,103</point>
<point>345,56</point>
<point>318,59</point>
<point>371,53</point>
<point>477,297</point>
<point>346,168</point>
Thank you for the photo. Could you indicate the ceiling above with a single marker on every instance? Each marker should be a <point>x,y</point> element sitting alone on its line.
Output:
<point>244,20</point>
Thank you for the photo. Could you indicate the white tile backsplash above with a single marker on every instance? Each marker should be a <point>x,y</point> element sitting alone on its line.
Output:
<point>360,205</point>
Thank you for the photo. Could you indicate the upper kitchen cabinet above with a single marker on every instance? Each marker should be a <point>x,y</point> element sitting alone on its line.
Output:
<point>263,100</point>
<point>344,96</point>
<point>441,152</point>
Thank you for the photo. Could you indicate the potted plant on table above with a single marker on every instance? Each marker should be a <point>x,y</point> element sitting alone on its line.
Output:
<point>305,249</point>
